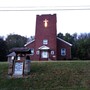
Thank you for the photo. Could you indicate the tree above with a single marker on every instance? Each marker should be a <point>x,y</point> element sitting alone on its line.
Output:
<point>60,35</point>
<point>31,38</point>
<point>84,46</point>
<point>14,40</point>
<point>69,38</point>
<point>3,50</point>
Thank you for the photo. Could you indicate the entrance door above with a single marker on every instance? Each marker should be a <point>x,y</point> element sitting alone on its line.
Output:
<point>45,55</point>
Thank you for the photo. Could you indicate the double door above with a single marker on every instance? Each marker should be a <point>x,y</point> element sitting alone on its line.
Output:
<point>44,55</point>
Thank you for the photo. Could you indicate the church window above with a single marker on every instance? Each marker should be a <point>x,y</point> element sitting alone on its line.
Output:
<point>45,41</point>
<point>63,52</point>
<point>32,51</point>
<point>37,52</point>
<point>52,52</point>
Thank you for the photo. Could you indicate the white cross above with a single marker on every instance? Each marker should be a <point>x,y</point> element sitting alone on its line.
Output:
<point>45,23</point>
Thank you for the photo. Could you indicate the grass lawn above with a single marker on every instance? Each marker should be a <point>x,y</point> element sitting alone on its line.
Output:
<point>64,75</point>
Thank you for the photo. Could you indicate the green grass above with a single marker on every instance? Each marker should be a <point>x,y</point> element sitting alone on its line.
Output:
<point>49,76</point>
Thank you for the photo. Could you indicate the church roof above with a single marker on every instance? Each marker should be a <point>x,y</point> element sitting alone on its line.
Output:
<point>57,38</point>
<point>29,42</point>
<point>64,41</point>
<point>23,50</point>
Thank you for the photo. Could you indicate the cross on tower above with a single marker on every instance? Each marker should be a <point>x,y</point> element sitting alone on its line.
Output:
<point>45,23</point>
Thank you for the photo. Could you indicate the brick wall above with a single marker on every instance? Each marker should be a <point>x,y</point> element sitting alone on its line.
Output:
<point>60,45</point>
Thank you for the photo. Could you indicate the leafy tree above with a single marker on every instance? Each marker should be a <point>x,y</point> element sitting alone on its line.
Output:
<point>69,38</point>
<point>3,50</point>
<point>31,38</point>
<point>60,35</point>
<point>14,40</point>
<point>84,46</point>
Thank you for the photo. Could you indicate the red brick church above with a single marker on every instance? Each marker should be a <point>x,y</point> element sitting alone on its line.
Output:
<point>46,45</point>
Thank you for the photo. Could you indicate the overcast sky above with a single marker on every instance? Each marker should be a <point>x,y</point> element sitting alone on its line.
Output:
<point>23,22</point>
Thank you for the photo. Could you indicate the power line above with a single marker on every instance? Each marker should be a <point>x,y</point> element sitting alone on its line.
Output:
<point>45,8</point>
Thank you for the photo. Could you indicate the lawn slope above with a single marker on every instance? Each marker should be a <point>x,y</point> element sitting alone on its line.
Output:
<point>49,76</point>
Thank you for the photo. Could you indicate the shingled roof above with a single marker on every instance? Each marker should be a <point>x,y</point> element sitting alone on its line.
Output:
<point>21,50</point>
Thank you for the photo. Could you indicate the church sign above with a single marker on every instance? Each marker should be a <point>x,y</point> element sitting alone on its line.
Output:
<point>18,70</point>
<point>19,65</point>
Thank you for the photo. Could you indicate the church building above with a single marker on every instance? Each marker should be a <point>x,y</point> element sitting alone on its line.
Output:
<point>46,45</point>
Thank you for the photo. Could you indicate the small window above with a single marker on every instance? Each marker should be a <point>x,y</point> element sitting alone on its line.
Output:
<point>37,52</point>
<point>45,41</point>
<point>63,51</point>
<point>32,51</point>
<point>52,52</point>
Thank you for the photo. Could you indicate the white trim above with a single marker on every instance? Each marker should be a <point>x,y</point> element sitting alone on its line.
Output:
<point>46,46</point>
<point>64,41</point>
<point>43,48</point>
<point>29,42</point>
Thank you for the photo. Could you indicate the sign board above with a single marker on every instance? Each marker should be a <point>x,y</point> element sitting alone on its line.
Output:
<point>18,70</point>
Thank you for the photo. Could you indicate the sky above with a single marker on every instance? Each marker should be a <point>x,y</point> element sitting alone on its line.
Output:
<point>23,22</point>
